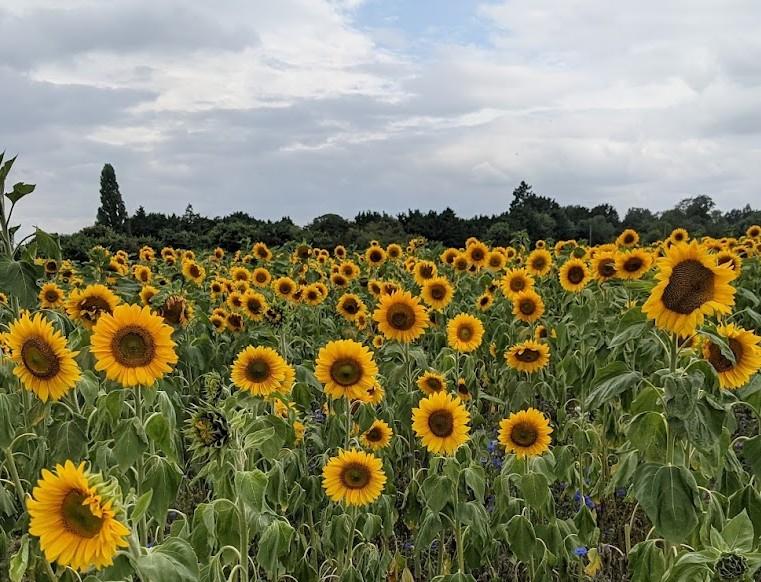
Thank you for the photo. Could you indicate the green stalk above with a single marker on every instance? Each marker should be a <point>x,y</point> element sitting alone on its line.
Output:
<point>16,480</point>
<point>142,526</point>
<point>243,540</point>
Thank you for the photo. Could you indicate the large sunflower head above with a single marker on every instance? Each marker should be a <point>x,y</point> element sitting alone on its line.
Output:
<point>378,436</point>
<point>254,305</point>
<point>133,346</point>
<point>259,370</point>
<point>51,296</point>
<point>690,286</point>
<point>401,317</point>
<point>44,364</point>
<point>525,433</point>
<point>88,304</point>
<point>515,281</point>
<point>76,517</point>
<point>604,266</point>
<point>633,264</point>
<point>465,332</point>
<point>354,477</point>
<point>539,262</point>
<point>346,368</point>
<point>528,356</point>
<point>527,305</point>
<point>437,292</point>
<point>441,421</point>
<point>574,275</point>
<point>746,352</point>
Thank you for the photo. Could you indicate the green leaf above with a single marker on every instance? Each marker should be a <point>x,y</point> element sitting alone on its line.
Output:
<point>89,386</point>
<point>738,533</point>
<point>47,246</point>
<point>521,537</point>
<point>19,279</point>
<point>251,486</point>
<point>172,561</point>
<point>255,440</point>
<point>20,190</point>
<point>609,382</point>
<point>646,562</point>
<point>130,443</point>
<point>274,543</point>
<point>633,325</point>
<point>20,561</point>
<point>437,491</point>
<point>475,479</point>
<point>141,506</point>
<point>752,453</point>
<point>164,477</point>
<point>647,433</point>
<point>535,489</point>
<point>157,429</point>
<point>70,441</point>
<point>9,410</point>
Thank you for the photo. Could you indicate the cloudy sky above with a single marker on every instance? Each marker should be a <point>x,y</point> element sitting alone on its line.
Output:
<point>303,107</point>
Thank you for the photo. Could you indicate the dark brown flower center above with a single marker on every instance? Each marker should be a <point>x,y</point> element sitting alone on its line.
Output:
<point>633,264</point>
<point>719,361</point>
<point>133,347</point>
<point>92,308</point>
<point>51,296</point>
<point>538,263</point>
<point>689,287</point>
<point>477,254</point>
<point>524,434</point>
<point>575,274</point>
<point>258,370</point>
<point>464,332</point>
<point>173,310</point>
<point>517,284</point>
<point>77,518</point>
<point>425,271</point>
<point>441,423</point>
<point>346,371</point>
<point>434,384</point>
<point>607,267</point>
<point>261,277</point>
<point>254,305</point>
<point>39,358</point>
<point>438,292</point>
<point>375,256</point>
<point>527,306</point>
<point>528,355</point>
<point>374,435</point>
<point>194,271</point>
<point>351,306</point>
<point>355,476</point>
<point>628,238</point>
<point>401,316</point>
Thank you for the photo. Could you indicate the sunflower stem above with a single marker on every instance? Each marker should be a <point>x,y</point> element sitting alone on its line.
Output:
<point>16,480</point>
<point>142,526</point>
<point>348,424</point>
<point>243,540</point>
<point>350,549</point>
<point>49,570</point>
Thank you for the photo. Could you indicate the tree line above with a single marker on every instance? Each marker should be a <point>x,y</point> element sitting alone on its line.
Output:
<point>529,215</point>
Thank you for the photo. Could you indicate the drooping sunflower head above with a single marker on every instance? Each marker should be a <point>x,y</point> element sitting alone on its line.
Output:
<point>378,436</point>
<point>539,262</point>
<point>51,296</point>
<point>690,286</point>
<point>528,305</point>
<point>346,368</point>
<point>133,346</point>
<point>76,516</point>
<point>259,370</point>
<point>437,292</point>
<point>528,356</point>
<point>515,281</point>
<point>208,432</point>
<point>442,422</point>
<point>525,433</point>
<point>745,351</point>
<point>465,332</point>
<point>88,304</point>
<point>633,264</point>
<point>354,477</point>
<point>574,275</point>
<point>401,317</point>
<point>44,364</point>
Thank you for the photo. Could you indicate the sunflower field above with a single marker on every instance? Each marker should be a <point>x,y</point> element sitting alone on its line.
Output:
<point>544,411</point>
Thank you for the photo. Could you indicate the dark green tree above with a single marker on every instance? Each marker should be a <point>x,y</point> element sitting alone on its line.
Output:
<point>112,212</point>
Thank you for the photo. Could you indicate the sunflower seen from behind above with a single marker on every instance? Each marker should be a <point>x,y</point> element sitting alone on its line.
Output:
<point>690,285</point>
<point>442,423</point>
<point>525,433</point>
<point>354,477</point>
<point>259,370</point>
<point>465,333</point>
<point>76,517</point>
<point>746,353</point>
<point>401,317</point>
<point>44,363</point>
<point>133,346</point>
<point>346,368</point>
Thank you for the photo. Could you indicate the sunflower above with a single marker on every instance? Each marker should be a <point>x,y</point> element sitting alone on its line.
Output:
<point>350,306</point>
<point>254,305</point>
<point>349,269</point>
<point>528,305</point>
<point>484,301</point>
<point>465,332</point>
<point>147,293</point>
<point>142,274</point>
<point>193,271</point>
<point>730,258</point>
<point>437,292</point>
<point>261,277</point>
<point>147,254</point>
<point>346,368</point>
<point>525,433</point>
<point>515,281</point>
<point>495,261</point>
<point>76,516</point>
<point>448,256</point>
<point>176,311</point>
<point>628,238</point>
<point>394,251</point>
<point>678,235</point>
<point>284,287</point>
<point>51,296</point>
<point>539,262</point>
<point>219,322</point>
<point>633,264</point>
<point>133,346</point>
<point>424,271</point>
<point>528,356</point>
<point>313,294</point>
<point>338,280</point>
<point>441,422</point>
<point>43,362</point>
<point>477,253</point>
<point>574,275</point>
<point>90,303</point>
<point>460,263</point>
<point>690,286</point>
<point>354,477</point>
<point>463,391</point>
<point>261,252</point>
<point>378,436</point>
<point>401,317</point>
<point>258,370</point>
<point>746,352</point>
<point>375,256</point>
<point>240,274</point>
<point>604,266</point>
<point>753,232</point>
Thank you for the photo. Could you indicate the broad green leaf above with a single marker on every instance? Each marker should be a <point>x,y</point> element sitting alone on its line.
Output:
<point>9,409</point>
<point>609,382</point>
<point>47,246</point>
<point>521,537</point>
<point>437,491</point>
<point>141,506</point>
<point>157,429</point>
<point>738,533</point>
<point>647,433</point>
<point>535,489</point>
<point>19,279</point>
<point>20,189</point>
<point>172,561</point>
<point>274,543</point>
<point>251,486</point>
<point>164,477</point>
<point>20,561</point>
<point>130,443</point>
<point>475,479</point>
<point>646,562</point>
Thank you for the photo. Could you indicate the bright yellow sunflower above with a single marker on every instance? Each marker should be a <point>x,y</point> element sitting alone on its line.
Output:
<point>254,305</point>
<point>628,238</point>
<point>527,306</point>
<point>633,264</point>
<point>193,271</point>
<point>574,275</point>
<point>525,433</point>
<point>259,370</point>
<point>44,364</point>
<point>350,306</point>
<point>495,261</point>
<point>465,332</point>
<point>441,422</point>
<point>88,304</point>
<point>477,254</point>
<point>528,356</point>
<point>539,262</point>
<point>375,256</point>
<point>284,287</point>
<point>746,351</point>
<point>51,296</point>
<point>354,477</point>
<point>604,266</point>
<point>679,235</point>
<point>753,232</point>
<point>378,436</point>
<point>437,292</point>
<point>394,251</point>
<point>431,383</point>
<point>346,368</point>
<point>690,286</point>
<point>261,277</point>
<point>261,252</point>
<point>515,281</point>
<point>133,346</point>
<point>76,517</point>
<point>401,317</point>
<point>147,293</point>
<point>424,271</point>
<point>730,258</point>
